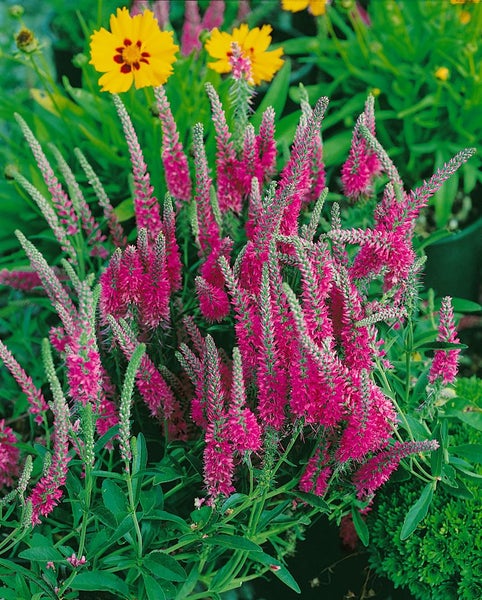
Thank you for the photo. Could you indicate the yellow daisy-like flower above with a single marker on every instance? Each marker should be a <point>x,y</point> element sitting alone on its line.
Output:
<point>135,51</point>
<point>253,45</point>
<point>316,7</point>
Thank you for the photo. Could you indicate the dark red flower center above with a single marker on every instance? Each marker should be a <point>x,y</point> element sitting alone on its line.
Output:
<point>130,56</point>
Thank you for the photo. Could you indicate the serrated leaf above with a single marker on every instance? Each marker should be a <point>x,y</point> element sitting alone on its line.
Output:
<point>417,512</point>
<point>164,566</point>
<point>99,581</point>
<point>360,526</point>
<point>234,542</point>
<point>154,590</point>
<point>114,498</point>
<point>42,554</point>
<point>313,500</point>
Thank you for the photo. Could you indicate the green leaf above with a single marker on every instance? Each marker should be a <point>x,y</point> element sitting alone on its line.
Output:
<point>417,429</point>
<point>278,569</point>
<point>461,491</point>
<point>164,566</point>
<point>464,306</point>
<point>417,512</point>
<point>163,515</point>
<point>474,419</point>
<point>360,526</point>
<point>189,584</point>
<point>154,590</point>
<point>440,346</point>
<point>313,500</point>
<point>114,498</point>
<point>201,516</point>
<point>235,542</point>
<point>472,452</point>
<point>125,210</point>
<point>108,435</point>
<point>151,499</point>
<point>139,462</point>
<point>99,581</point>
<point>42,554</point>
<point>124,527</point>
<point>233,500</point>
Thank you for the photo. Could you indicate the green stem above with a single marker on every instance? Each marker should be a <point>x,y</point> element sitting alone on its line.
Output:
<point>132,506</point>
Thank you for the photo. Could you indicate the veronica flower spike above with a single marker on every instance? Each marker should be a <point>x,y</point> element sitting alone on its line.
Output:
<point>250,56</point>
<point>134,51</point>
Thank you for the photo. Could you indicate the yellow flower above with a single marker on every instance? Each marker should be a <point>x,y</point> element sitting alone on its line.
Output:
<point>316,7</point>
<point>135,50</point>
<point>442,73</point>
<point>253,45</point>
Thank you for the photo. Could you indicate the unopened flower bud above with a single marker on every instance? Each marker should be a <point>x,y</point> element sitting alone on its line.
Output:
<point>26,41</point>
<point>16,11</point>
<point>347,4</point>
<point>80,60</point>
<point>9,172</point>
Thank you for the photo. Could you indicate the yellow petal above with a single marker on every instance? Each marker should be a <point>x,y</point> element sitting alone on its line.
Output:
<point>317,7</point>
<point>219,44</point>
<point>103,49</point>
<point>121,24</point>
<point>294,5</point>
<point>258,38</point>
<point>266,65</point>
<point>116,82</point>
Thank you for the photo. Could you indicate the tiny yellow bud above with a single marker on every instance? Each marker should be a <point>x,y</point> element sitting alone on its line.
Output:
<point>464,17</point>
<point>442,73</point>
<point>26,41</point>
<point>375,92</point>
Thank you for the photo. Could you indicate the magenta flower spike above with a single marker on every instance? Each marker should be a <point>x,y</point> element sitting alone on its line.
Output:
<point>146,206</point>
<point>174,159</point>
<point>445,362</point>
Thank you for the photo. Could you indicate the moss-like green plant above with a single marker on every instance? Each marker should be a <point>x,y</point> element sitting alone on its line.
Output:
<point>443,559</point>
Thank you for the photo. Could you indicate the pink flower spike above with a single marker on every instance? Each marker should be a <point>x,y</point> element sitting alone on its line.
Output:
<point>445,362</point>
<point>362,164</point>
<point>35,398</point>
<point>214,15</point>
<point>377,470</point>
<point>146,206</point>
<point>20,280</point>
<point>9,456</point>
<point>191,28</point>
<point>176,168</point>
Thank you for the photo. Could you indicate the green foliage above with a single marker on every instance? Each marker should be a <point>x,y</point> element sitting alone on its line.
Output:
<point>442,560</point>
<point>422,61</point>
